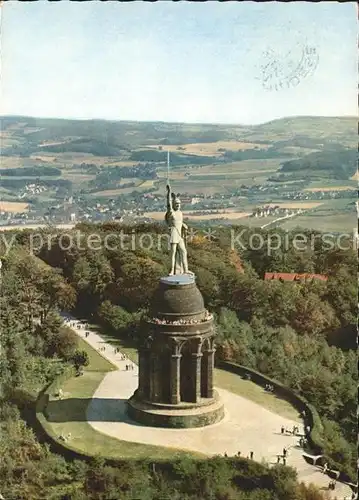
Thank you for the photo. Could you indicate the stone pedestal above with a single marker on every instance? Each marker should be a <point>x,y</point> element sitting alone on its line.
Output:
<point>176,360</point>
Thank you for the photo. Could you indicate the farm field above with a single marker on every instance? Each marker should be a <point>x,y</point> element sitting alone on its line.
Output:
<point>124,163</point>
<point>77,177</point>
<point>147,184</point>
<point>224,175</point>
<point>17,162</point>
<point>257,221</point>
<point>297,204</point>
<point>329,188</point>
<point>13,206</point>
<point>228,216</point>
<point>210,148</point>
<point>239,168</point>
<point>116,192</point>
<point>344,129</point>
<point>245,166</point>
<point>191,215</point>
<point>221,178</point>
<point>328,184</point>
<point>340,222</point>
<point>174,175</point>
<point>193,187</point>
<point>43,158</point>
<point>335,215</point>
<point>302,135</point>
<point>215,179</point>
<point>67,159</point>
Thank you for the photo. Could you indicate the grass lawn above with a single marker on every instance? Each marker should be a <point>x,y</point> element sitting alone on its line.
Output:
<point>97,362</point>
<point>249,390</point>
<point>69,416</point>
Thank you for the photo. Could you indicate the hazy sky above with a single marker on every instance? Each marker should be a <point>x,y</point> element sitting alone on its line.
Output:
<point>176,61</point>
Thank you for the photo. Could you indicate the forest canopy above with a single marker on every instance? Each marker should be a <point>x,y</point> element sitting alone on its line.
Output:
<point>302,334</point>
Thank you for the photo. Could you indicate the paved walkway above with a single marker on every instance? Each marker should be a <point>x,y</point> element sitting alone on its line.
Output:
<point>246,426</point>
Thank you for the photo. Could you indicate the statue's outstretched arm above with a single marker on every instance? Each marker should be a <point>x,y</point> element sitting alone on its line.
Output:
<point>169,198</point>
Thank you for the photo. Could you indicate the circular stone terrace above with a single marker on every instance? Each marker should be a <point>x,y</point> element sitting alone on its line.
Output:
<point>247,427</point>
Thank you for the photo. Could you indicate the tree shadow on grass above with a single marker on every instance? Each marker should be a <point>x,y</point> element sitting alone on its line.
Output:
<point>88,409</point>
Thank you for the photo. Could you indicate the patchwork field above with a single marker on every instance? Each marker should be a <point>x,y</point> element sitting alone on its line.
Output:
<point>147,184</point>
<point>240,167</point>
<point>13,206</point>
<point>210,148</point>
<point>16,162</point>
<point>220,178</point>
<point>234,175</point>
<point>298,136</point>
<point>43,158</point>
<point>117,192</point>
<point>343,222</point>
<point>192,187</point>
<point>191,215</point>
<point>257,221</point>
<point>77,177</point>
<point>298,204</point>
<point>329,188</point>
<point>67,159</point>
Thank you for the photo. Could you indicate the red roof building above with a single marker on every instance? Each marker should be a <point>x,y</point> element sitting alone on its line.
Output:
<point>294,277</point>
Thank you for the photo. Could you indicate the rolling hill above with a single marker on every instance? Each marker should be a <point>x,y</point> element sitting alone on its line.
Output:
<point>26,135</point>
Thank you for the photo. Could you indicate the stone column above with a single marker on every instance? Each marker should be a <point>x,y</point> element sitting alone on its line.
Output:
<point>209,354</point>
<point>196,373</point>
<point>153,373</point>
<point>175,394</point>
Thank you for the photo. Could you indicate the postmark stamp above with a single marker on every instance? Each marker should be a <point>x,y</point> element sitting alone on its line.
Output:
<point>284,71</point>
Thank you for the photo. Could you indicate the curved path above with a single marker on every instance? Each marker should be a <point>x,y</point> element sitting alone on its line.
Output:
<point>246,427</point>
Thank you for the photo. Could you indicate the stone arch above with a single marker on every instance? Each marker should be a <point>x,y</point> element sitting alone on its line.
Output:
<point>206,345</point>
<point>182,343</point>
<point>147,342</point>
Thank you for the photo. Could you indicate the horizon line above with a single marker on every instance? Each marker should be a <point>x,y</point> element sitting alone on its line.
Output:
<point>228,124</point>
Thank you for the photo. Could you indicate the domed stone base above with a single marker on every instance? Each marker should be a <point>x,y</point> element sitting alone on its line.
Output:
<point>180,416</point>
